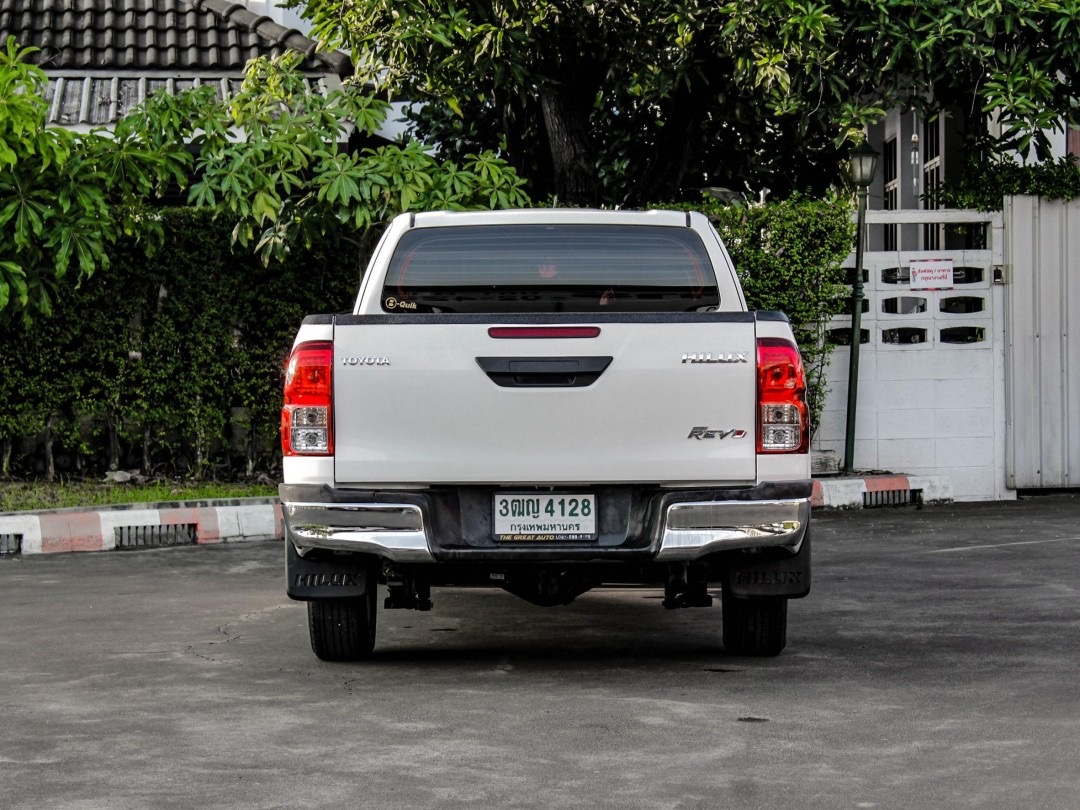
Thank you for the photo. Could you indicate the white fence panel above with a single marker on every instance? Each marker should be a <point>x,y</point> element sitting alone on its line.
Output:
<point>1043,317</point>
<point>931,397</point>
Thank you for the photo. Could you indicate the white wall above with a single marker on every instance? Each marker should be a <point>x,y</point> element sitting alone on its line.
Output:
<point>929,407</point>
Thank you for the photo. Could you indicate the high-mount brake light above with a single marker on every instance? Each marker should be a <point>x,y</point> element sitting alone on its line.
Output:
<point>307,416</point>
<point>783,425</point>
<point>536,332</point>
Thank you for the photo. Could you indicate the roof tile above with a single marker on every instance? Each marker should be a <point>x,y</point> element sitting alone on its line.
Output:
<point>154,35</point>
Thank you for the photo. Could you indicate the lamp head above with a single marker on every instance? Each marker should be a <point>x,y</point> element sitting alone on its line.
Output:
<point>863,164</point>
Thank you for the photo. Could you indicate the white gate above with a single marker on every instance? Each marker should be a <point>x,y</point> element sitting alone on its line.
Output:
<point>931,394</point>
<point>1043,316</point>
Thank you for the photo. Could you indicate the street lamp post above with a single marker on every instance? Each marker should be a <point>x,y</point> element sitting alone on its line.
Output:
<point>863,165</point>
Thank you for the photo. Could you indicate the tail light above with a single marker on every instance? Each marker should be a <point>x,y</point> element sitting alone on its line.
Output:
<point>783,424</point>
<point>306,418</point>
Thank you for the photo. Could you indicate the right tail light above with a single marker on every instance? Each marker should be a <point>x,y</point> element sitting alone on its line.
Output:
<point>783,417</point>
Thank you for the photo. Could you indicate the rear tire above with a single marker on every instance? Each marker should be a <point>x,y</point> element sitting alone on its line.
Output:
<point>755,626</point>
<point>344,629</point>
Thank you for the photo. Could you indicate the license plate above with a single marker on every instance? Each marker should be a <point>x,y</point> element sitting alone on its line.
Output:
<point>551,518</point>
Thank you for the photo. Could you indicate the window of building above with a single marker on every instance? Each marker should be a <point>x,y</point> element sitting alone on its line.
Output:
<point>892,191</point>
<point>932,171</point>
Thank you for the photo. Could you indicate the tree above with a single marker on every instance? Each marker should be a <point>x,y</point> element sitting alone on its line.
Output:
<point>267,158</point>
<point>288,180</point>
<point>56,188</point>
<point>632,100</point>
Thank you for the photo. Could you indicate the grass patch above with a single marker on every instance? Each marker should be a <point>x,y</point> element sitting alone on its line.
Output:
<point>32,496</point>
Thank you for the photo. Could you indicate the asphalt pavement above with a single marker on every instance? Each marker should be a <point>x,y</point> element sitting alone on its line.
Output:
<point>934,665</point>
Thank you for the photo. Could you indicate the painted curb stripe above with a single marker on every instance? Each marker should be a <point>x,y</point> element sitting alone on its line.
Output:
<point>65,532</point>
<point>96,531</point>
<point>885,483</point>
<point>847,493</point>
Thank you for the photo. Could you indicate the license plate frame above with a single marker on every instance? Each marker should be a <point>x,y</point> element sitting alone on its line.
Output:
<point>546,517</point>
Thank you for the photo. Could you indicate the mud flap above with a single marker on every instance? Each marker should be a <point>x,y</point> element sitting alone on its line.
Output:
<point>327,575</point>
<point>769,573</point>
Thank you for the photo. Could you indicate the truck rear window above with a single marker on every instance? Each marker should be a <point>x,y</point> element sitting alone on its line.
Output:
<point>550,268</point>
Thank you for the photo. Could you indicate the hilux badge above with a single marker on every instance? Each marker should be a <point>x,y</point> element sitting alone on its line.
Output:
<point>720,357</point>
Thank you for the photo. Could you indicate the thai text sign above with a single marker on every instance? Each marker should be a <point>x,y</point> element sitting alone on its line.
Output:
<point>931,274</point>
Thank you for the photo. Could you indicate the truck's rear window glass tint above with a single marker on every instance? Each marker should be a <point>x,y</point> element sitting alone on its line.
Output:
<point>550,268</point>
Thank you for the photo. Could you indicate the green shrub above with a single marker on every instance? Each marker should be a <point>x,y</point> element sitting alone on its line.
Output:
<point>984,185</point>
<point>788,256</point>
<point>172,365</point>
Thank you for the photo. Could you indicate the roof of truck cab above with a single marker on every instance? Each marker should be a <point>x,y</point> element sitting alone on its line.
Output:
<point>553,216</point>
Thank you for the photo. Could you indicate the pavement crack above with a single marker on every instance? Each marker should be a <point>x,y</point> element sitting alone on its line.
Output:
<point>192,651</point>
<point>228,636</point>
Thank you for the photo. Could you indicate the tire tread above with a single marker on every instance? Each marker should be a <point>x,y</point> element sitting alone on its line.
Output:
<point>754,627</point>
<point>342,629</point>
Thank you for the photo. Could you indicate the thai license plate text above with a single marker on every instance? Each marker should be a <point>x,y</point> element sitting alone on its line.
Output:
<point>550,517</point>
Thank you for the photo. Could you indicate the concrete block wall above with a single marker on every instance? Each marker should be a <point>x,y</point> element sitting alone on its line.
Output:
<point>926,406</point>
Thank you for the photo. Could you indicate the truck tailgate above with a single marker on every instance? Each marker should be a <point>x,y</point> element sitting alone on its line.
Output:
<point>436,399</point>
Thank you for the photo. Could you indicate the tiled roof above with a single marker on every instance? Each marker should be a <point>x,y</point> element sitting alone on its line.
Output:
<point>82,100</point>
<point>153,35</point>
<point>103,57</point>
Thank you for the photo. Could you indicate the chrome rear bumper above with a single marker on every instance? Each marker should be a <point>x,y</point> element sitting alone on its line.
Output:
<point>692,530</point>
<point>687,531</point>
<point>394,531</point>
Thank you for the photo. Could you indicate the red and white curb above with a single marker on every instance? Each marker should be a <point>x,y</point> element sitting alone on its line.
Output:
<point>68,530</point>
<point>850,493</point>
<point>63,531</point>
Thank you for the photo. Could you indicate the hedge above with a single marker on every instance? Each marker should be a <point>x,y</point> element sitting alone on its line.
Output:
<point>788,256</point>
<point>174,365</point>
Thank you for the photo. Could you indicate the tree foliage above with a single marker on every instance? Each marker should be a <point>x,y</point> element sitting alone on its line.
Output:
<point>268,160</point>
<point>287,182</point>
<point>984,186</point>
<point>56,188</point>
<point>626,101</point>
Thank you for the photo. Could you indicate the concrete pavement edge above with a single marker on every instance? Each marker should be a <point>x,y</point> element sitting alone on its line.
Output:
<point>141,526</point>
<point>240,520</point>
<point>858,492</point>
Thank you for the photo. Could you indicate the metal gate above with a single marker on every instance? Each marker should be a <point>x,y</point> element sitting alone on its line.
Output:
<point>1042,254</point>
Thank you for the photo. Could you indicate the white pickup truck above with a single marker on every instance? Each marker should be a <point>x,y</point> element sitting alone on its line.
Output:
<point>546,401</point>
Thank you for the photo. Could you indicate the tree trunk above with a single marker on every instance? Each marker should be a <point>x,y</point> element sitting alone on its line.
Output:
<point>249,470</point>
<point>5,457</point>
<point>50,462</point>
<point>114,441</point>
<point>566,120</point>
<point>199,437</point>
<point>146,450</point>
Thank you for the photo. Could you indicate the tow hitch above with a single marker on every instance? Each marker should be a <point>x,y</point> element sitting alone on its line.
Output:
<point>406,593</point>
<point>687,586</point>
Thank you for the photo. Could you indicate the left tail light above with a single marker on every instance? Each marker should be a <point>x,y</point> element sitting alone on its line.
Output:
<point>307,416</point>
<point>783,417</point>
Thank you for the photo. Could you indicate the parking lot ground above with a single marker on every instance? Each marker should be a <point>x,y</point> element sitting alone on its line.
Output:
<point>934,665</point>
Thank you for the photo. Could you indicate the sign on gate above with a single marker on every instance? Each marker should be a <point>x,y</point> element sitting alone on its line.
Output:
<point>931,274</point>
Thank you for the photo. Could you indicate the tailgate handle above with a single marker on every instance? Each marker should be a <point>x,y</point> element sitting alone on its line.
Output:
<point>543,372</point>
